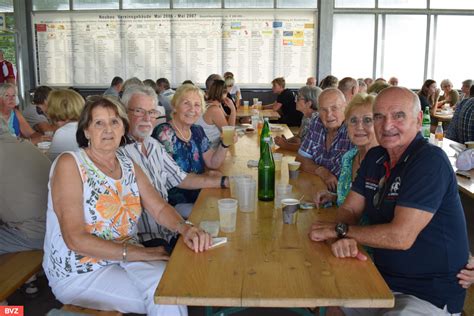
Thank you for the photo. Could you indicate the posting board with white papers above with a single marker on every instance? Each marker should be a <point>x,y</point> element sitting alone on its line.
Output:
<point>89,49</point>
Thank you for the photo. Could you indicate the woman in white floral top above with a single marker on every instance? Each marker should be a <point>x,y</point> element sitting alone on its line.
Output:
<point>92,257</point>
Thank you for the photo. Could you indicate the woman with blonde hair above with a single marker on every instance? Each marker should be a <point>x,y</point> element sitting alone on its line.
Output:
<point>186,142</point>
<point>360,129</point>
<point>64,109</point>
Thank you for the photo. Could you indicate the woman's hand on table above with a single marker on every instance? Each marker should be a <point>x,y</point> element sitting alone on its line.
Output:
<point>280,140</point>
<point>347,248</point>
<point>197,239</point>
<point>323,197</point>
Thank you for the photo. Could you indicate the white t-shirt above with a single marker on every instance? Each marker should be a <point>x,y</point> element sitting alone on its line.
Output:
<point>64,140</point>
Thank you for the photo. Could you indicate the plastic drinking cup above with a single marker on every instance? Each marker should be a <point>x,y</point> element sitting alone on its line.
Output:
<point>277,157</point>
<point>290,210</point>
<point>246,194</point>
<point>233,183</point>
<point>293,167</point>
<point>228,135</point>
<point>282,191</point>
<point>227,214</point>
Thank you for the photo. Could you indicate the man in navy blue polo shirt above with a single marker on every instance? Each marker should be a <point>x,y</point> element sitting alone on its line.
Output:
<point>417,226</point>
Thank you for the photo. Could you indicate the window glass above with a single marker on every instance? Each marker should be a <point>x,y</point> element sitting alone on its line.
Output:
<point>248,3</point>
<point>452,4</point>
<point>354,4</point>
<point>404,4</point>
<point>453,50</point>
<point>353,55</point>
<point>197,3</point>
<point>297,4</point>
<point>145,4</point>
<point>95,4</point>
<point>6,5</point>
<point>52,5</point>
<point>401,52</point>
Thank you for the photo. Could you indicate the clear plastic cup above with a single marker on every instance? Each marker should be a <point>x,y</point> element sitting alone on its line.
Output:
<point>228,135</point>
<point>227,214</point>
<point>233,183</point>
<point>277,157</point>
<point>282,191</point>
<point>246,105</point>
<point>255,102</point>
<point>246,194</point>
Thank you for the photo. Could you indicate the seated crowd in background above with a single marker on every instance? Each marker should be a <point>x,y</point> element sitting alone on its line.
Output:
<point>170,162</point>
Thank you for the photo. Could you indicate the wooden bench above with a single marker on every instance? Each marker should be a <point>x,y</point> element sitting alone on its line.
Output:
<point>16,268</point>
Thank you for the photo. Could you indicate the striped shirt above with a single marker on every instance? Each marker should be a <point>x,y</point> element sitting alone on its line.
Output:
<point>163,173</point>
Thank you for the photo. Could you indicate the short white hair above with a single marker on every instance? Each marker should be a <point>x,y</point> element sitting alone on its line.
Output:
<point>141,90</point>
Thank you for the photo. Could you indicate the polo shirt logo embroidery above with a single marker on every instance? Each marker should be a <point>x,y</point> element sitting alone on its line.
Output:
<point>395,187</point>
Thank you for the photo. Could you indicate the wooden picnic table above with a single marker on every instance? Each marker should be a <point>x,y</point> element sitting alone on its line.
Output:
<point>464,184</point>
<point>266,263</point>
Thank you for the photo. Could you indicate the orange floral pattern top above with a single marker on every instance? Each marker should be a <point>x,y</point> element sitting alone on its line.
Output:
<point>111,211</point>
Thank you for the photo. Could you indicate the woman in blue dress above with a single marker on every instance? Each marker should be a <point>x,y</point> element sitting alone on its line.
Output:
<point>186,142</point>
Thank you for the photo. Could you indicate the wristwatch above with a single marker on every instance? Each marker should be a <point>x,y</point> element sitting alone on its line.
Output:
<point>222,144</point>
<point>341,230</point>
<point>223,178</point>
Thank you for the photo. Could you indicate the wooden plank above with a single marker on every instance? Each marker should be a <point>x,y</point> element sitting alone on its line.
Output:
<point>266,263</point>
<point>16,268</point>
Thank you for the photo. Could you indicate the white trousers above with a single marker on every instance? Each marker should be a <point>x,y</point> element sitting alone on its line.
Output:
<point>124,287</point>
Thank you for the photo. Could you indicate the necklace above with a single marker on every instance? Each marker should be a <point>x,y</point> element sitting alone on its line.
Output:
<point>181,134</point>
<point>102,165</point>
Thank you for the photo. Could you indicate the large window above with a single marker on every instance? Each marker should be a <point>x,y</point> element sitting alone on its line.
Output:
<point>401,49</point>
<point>353,48</point>
<point>410,45</point>
<point>452,49</point>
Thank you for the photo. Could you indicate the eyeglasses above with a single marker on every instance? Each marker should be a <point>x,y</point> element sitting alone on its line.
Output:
<point>366,121</point>
<point>138,112</point>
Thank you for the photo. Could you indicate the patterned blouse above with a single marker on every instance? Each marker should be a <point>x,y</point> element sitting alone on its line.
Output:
<point>111,212</point>
<point>188,155</point>
<point>344,183</point>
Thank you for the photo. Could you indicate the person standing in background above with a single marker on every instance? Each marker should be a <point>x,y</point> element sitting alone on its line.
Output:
<point>7,73</point>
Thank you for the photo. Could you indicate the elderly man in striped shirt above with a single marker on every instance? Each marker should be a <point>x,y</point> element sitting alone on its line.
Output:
<point>161,169</point>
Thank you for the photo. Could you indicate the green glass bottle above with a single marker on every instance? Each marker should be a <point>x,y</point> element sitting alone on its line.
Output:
<point>426,123</point>
<point>265,134</point>
<point>266,173</point>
